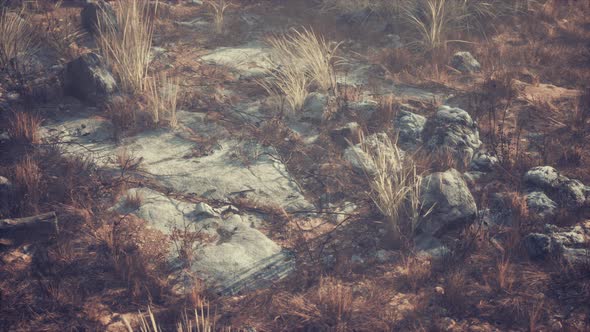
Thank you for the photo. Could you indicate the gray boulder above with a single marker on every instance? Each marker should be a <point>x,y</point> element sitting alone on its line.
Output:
<point>314,106</point>
<point>540,204</point>
<point>542,177</point>
<point>567,192</point>
<point>572,193</point>
<point>88,78</point>
<point>452,204</point>
<point>409,127</point>
<point>452,129</point>
<point>538,246</point>
<point>465,62</point>
<point>96,11</point>
<point>483,162</point>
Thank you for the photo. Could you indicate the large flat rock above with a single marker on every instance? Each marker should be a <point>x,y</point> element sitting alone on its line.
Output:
<point>227,169</point>
<point>231,255</point>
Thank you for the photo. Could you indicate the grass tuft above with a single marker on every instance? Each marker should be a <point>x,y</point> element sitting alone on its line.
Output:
<point>126,43</point>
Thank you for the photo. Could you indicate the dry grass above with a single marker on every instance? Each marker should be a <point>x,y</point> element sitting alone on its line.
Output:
<point>162,96</point>
<point>395,188</point>
<point>24,128</point>
<point>201,320</point>
<point>289,83</point>
<point>18,40</point>
<point>126,43</point>
<point>63,35</point>
<point>218,8</point>
<point>300,59</point>
<point>27,179</point>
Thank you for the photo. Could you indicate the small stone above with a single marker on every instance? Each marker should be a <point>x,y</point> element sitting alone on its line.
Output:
<point>465,62</point>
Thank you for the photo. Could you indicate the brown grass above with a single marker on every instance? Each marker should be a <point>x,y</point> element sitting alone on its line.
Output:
<point>27,179</point>
<point>18,40</point>
<point>24,128</point>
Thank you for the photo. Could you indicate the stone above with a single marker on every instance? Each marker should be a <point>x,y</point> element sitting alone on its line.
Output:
<point>447,196</point>
<point>360,160</point>
<point>540,204</point>
<point>572,193</point>
<point>96,11</point>
<point>452,129</point>
<point>88,78</point>
<point>483,162</point>
<point>429,247</point>
<point>538,246</point>
<point>465,62</point>
<point>543,177</point>
<point>347,135</point>
<point>409,127</point>
<point>230,257</point>
<point>314,106</point>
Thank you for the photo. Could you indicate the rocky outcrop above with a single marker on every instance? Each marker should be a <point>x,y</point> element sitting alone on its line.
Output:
<point>453,130</point>
<point>567,193</point>
<point>88,78</point>
<point>447,196</point>
<point>569,244</point>
<point>228,252</point>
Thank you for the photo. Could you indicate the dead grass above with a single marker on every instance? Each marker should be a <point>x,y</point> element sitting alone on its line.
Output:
<point>18,40</point>
<point>395,187</point>
<point>24,129</point>
<point>300,59</point>
<point>126,43</point>
<point>27,179</point>
<point>218,8</point>
<point>63,34</point>
<point>162,96</point>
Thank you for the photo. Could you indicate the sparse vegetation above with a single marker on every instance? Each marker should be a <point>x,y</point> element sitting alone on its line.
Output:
<point>253,220</point>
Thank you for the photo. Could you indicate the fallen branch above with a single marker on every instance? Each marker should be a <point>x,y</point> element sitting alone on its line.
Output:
<point>30,229</point>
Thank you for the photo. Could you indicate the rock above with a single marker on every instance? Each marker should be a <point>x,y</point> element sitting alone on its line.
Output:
<point>361,161</point>
<point>5,194</point>
<point>567,192</point>
<point>231,256</point>
<point>88,78</point>
<point>540,204</point>
<point>572,193</point>
<point>313,108</point>
<point>203,210</point>
<point>542,177</point>
<point>483,162</point>
<point>95,11</point>
<point>452,204</point>
<point>465,62</point>
<point>409,127</point>
<point>538,246</point>
<point>452,129</point>
<point>365,109</point>
<point>473,177</point>
<point>346,135</point>
<point>429,247</point>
